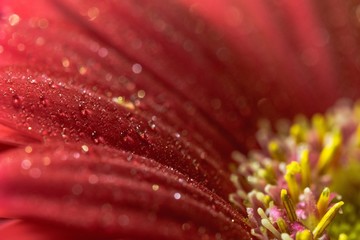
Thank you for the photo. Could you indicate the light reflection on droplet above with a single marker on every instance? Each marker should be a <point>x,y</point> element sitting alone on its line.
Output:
<point>1,49</point>
<point>28,149</point>
<point>93,179</point>
<point>155,187</point>
<point>136,68</point>
<point>14,19</point>
<point>65,62</point>
<point>177,196</point>
<point>82,70</point>
<point>26,164</point>
<point>93,13</point>
<point>141,94</point>
<point>85,148</point>
<point>76,155</point>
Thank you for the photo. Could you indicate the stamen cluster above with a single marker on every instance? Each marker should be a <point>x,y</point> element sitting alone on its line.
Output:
<point>284,188</point>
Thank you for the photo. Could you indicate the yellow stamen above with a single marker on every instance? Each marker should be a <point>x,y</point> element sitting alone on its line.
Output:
<point>292,169</point>
<point>282,225</point>
<point>323,202</point>
<point>289,206</point>
<point>357,136</point>
<point>297,133</point>
<point>343,236</point>
<point>304,235</point>
<point>319,124</point>
<point>261,213</point>
<point>267,224</point>
<point>268,174</point>
<point>305,168</point>
<point>267,199</point>
<point>275,151</point>
<point>285,236</point>
<point>330,152</point>
<point>326,220</point>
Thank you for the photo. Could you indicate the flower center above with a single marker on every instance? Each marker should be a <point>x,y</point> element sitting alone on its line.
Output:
<point>305,174</point>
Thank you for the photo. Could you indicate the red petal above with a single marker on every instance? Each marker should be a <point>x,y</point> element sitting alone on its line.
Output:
<point>110,192</point>
<point>58,111</point>
<point>37,230</point>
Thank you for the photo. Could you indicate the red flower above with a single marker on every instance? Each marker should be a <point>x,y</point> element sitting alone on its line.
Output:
<point>118,118</point>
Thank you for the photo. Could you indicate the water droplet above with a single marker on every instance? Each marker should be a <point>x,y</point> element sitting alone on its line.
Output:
<point>93,13</point>
<point>21,47</point>
<point>93,179</point>
<point>65,133</point>
<point>96,138</point>
<point>28,149</point>
<point>16,101</point>
<point>65,62</point>
<point>43,101</point>
<point>14,19</point>
<point>77,189</point>
<point>76,155</point>
<point>85,111</point>
<point>26,164</point>
<point>186,226</point>
<point>141,94</point>
<point>155,187</point>
<point>103,52</point>
<point>151,124</point>
<point>85,148</point>
<point>82,70</point>
<point>136,68</point>
<point>177,196</point>
<point>35,173</point>
<point>123,220</point>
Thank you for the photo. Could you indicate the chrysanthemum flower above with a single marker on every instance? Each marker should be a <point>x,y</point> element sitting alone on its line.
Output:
<point>119,118</point>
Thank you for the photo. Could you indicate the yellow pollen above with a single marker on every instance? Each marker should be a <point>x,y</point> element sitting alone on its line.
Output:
<point>304,235</point>
<point>323,202</point>
<point>292,169</point>
<point>289,206</point>
<point>326,220</point>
